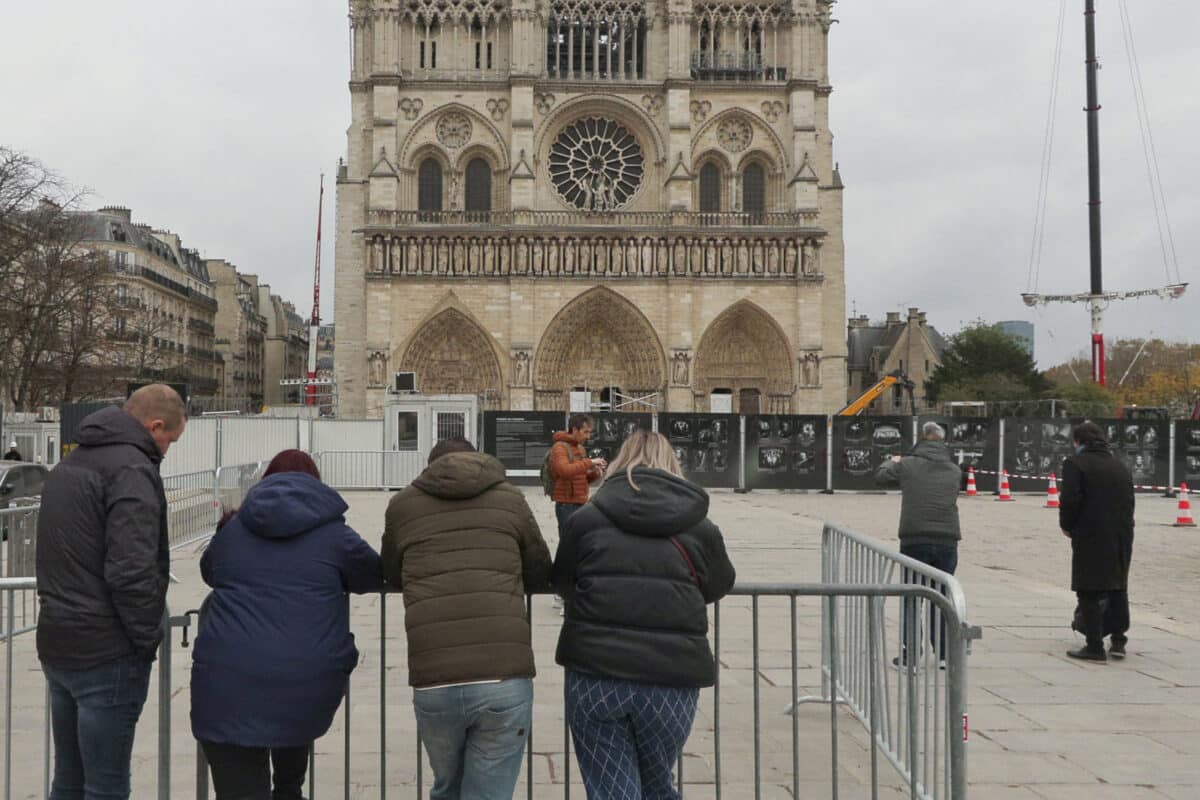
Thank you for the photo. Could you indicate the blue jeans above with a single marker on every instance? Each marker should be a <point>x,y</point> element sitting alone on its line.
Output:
<point>93,715</point>
<point>938,556</point>
<point>628,735</point>
<point>475,736</point>
<point>563,512</point>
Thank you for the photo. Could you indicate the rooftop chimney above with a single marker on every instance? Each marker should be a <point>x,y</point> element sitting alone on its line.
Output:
<point>117,211</point>
<point>893,318</point>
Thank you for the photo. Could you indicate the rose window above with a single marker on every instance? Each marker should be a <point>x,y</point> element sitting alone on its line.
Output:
<point>596,165</point>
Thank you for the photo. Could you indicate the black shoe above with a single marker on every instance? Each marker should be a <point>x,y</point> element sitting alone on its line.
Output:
<point>1117,649</point>
<point>1088,654</point>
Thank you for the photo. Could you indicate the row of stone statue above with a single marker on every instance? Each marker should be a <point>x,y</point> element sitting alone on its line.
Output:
<point>522,361</point>
<point>520,255</point>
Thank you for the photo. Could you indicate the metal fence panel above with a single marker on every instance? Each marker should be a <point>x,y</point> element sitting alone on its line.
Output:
<point>346,434</point>
<point>245,440</point>
<point>369,469</point>
<point>195,450</point>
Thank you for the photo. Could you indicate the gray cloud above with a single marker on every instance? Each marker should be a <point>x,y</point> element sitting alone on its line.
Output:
<point>214,119</point>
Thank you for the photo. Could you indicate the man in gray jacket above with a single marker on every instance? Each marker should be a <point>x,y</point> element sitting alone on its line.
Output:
<point>102,562</point>
<point>929,530</point>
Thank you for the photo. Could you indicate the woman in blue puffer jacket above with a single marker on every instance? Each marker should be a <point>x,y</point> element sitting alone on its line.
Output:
<point>274,649</point>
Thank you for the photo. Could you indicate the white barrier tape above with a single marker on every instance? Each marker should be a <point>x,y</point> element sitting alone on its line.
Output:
<point>1047,477</point>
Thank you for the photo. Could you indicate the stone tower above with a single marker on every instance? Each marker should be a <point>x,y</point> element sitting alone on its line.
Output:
<point>542,196</point>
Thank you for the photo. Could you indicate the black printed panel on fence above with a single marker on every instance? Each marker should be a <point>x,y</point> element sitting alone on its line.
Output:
<point>861,444</point>
<point>1145,447</point>
<point>1187,454</point>
<point>707,446</point>
<point>520,440</point>
<point>785,452</point>
<point>973,442</point>
<point>1033,448</point>
<point>1037,447</point>
<point>610,429</point>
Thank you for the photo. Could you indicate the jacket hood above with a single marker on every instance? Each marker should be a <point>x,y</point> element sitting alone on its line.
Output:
<point>664,506</point>
<point>288,504</point>
<point>459,476</point>
<point>934,451</point>
<point>564,436</point>
<point>114,426</point>
<point>1097,447</point>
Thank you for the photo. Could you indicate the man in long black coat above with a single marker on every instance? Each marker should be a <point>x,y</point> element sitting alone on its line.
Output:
<point>1096,514</point>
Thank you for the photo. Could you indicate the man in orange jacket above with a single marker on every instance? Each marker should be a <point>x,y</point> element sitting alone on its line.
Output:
<point>571,469</point>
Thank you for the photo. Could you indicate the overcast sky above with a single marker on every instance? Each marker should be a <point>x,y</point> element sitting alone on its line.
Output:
<point>215,119</point>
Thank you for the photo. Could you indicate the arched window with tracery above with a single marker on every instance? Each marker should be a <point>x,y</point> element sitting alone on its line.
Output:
<point>479,186</point>
<point>429,185</point>
<point>740,41</point>
<point>710,188</point>
<point>596,39</point>
<point>754,191</point>
<point>465,37</point>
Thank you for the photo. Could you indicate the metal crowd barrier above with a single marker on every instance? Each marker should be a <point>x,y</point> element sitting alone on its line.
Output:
<point>919,698</point>
<point>369,469</point>
<point>914,716</point>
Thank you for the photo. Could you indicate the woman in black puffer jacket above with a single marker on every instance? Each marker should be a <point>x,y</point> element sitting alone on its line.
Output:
<point>637,567</point>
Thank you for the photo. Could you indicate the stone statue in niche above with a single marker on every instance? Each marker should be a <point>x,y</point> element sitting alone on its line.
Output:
<point>377,254</point>
<point>810,369</point>
<point>521,361</point>
<point>377,370</point>
<point>455,192</point>
<point>681,364</point>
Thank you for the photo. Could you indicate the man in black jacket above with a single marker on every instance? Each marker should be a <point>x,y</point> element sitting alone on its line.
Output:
<point>102,561</point>
<point>1096,514</point>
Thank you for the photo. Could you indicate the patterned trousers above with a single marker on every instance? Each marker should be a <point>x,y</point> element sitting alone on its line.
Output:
<point>628,736</point>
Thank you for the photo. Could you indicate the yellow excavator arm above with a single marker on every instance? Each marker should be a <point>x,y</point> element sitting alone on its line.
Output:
<point>860,403</point>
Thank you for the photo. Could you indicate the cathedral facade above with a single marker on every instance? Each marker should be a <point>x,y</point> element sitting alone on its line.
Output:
<point>634,199</point>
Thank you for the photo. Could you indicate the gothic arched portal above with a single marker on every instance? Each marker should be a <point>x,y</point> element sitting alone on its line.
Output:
<point>744,350</point>
<point>598,340</point>
<point>451,354</point>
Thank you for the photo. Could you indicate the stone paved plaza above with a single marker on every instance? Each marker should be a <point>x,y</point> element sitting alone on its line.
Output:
<point>1041,725</point>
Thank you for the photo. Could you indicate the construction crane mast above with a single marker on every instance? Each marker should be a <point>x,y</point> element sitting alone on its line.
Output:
<point>314,325</point>
<point>1097,299</point>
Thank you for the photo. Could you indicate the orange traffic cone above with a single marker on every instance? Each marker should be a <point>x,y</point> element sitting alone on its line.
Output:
<point>1005,491</point>
<point>1184,520</point>
<point>972,490</point>
<point>1052,493</point>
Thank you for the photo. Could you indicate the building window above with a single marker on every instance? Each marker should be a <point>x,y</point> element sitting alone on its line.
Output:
<point>710,188</point>
<point>596,164</point>
<point>754,190</point>
<point>429,185</point>
<point>479,186</point>
<point>427,47</point>
<point>596,40</point>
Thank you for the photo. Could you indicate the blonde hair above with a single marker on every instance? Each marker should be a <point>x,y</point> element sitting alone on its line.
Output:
<point>644,449</point>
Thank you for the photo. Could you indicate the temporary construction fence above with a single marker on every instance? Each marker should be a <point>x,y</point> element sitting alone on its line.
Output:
<point>914,717</point>
<point>759,452</point>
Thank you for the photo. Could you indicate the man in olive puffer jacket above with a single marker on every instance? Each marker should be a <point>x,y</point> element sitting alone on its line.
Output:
<point>929,527</point>
<point>462,544</point>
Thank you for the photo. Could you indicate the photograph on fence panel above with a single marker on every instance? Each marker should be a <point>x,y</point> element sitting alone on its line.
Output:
<point>520,440</point>
<point>707,446</point>
<point>610,429</point>
<point>785,452</point>
<point>1037,447</point>
<point>1187,454</point>
<point>973,443</point>
<point>861,444</point>
<point>1145,448</point>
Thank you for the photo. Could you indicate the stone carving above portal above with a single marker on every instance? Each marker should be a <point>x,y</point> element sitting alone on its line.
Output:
<point>454,129</point>
<point>700,109</point>
<point>411,107</point>
<point>681,368</point>
<point>522,360</point>
<point>543,102</point>
<point>497,108</point>
<point>653,103</point>
<point>735,134</point>
<point>377,369</point>
<point>773,110</point>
